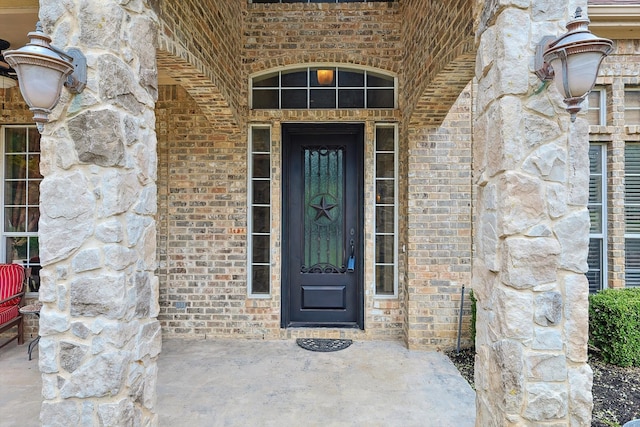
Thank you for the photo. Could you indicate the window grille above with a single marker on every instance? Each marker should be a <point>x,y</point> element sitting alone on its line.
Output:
<point>386,211</point>
<point>323,88</point>
<point>260,211</point>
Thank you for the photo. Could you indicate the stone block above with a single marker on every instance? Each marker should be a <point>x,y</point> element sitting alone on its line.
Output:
<point>102,375</point>
<point>95,143</point>
<point>547,367</point>
<point>548,308</point>
<point>60,414</point>
<point>529,262</point>
<point>71,355</point>
<point>98,295</point>
<point>120,191</point>
<point>547,339</point>
<point>67,215</point>
<point>117,84</point>
<point>87,259</point>
<point>580,395</point>
<point>546,402</point>
<point>548,161</point>
<point>110,231</point>
<point>572,232</point>
<point>506,376</point>
<point>521,203</point>
<point>576,312</point>
<point>48,357</point>
<point>556,200</point>
<point>513,314</point>
<point>120,413</point>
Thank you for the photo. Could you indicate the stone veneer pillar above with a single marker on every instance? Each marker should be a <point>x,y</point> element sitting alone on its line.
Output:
<point>100,336</point>
<point>532,228</point>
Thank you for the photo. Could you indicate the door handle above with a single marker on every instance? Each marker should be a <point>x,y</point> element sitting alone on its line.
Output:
<point>351,262</point>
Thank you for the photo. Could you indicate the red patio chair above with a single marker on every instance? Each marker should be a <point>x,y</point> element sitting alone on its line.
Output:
<point>11,293</point>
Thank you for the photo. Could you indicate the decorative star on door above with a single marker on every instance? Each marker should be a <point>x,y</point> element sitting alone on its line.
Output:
<point>323,207</point>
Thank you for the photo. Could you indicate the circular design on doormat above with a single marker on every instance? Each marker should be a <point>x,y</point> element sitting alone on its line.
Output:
<point>323,344</point>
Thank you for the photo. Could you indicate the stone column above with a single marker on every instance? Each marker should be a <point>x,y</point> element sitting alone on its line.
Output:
<point>100,336</point>
<point>532,228</point>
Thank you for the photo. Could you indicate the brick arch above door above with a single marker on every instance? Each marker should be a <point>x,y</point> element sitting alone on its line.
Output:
<point>199,86</point>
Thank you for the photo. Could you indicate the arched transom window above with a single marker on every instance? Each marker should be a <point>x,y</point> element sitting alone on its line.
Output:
<point>323,87</point>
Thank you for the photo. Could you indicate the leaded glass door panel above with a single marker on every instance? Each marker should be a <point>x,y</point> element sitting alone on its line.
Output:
<point>322,274</point>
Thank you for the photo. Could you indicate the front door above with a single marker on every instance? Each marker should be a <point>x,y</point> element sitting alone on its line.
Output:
<point>322,211</point>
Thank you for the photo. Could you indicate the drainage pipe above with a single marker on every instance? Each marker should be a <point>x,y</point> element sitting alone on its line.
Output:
<point>460,319</point>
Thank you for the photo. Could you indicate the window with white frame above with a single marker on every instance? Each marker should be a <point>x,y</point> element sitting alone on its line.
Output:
<point>597,106</point>
<point>259,278</point>
<point>386,211</point>
<point>597,259</point>
<point>632,105</point>
<point>20,200</point>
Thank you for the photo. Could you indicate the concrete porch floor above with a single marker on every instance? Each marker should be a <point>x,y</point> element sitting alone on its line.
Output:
<point>276,383</point>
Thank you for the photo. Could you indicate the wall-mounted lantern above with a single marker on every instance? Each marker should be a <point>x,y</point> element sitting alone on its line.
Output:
<point>573,59</point>
<point>42,71</point>
<point>325,77</point>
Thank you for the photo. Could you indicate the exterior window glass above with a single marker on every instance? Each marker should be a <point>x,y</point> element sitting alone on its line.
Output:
<point>259,277</point>
<point>632,213</point>
<point>597,107</point>
<point>386,231</point>
<point>632,106</point>
<point>20,198</point>
<point>597,212</point>
<point>323,88</point>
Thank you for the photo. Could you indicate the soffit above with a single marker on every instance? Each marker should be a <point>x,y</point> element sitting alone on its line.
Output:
<point>17,18</point>
<point>615,21</point>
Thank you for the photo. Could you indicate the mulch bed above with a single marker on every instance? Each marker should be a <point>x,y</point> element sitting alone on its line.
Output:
<point>616,390</point>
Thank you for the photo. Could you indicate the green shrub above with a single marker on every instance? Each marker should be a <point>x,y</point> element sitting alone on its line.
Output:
<point>614,321</point>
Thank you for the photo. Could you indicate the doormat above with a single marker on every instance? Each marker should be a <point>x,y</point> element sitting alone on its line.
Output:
<point>323,344</point>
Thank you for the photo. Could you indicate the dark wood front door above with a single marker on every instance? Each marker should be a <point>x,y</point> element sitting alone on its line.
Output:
<point>322,232</point>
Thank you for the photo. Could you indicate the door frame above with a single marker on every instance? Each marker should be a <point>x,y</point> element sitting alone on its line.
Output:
<point>301,128</point>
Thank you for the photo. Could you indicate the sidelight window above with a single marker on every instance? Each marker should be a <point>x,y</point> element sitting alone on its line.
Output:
<point>386,211</point>
<point>259,232</point>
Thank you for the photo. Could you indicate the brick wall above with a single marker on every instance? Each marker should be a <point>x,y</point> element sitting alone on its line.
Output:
<point>298,33</point>
<point>439,227</point>
<point>202,220</point>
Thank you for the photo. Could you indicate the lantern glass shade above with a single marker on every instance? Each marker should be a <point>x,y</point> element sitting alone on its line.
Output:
<point>576,74</point>
<point>41,86</point>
